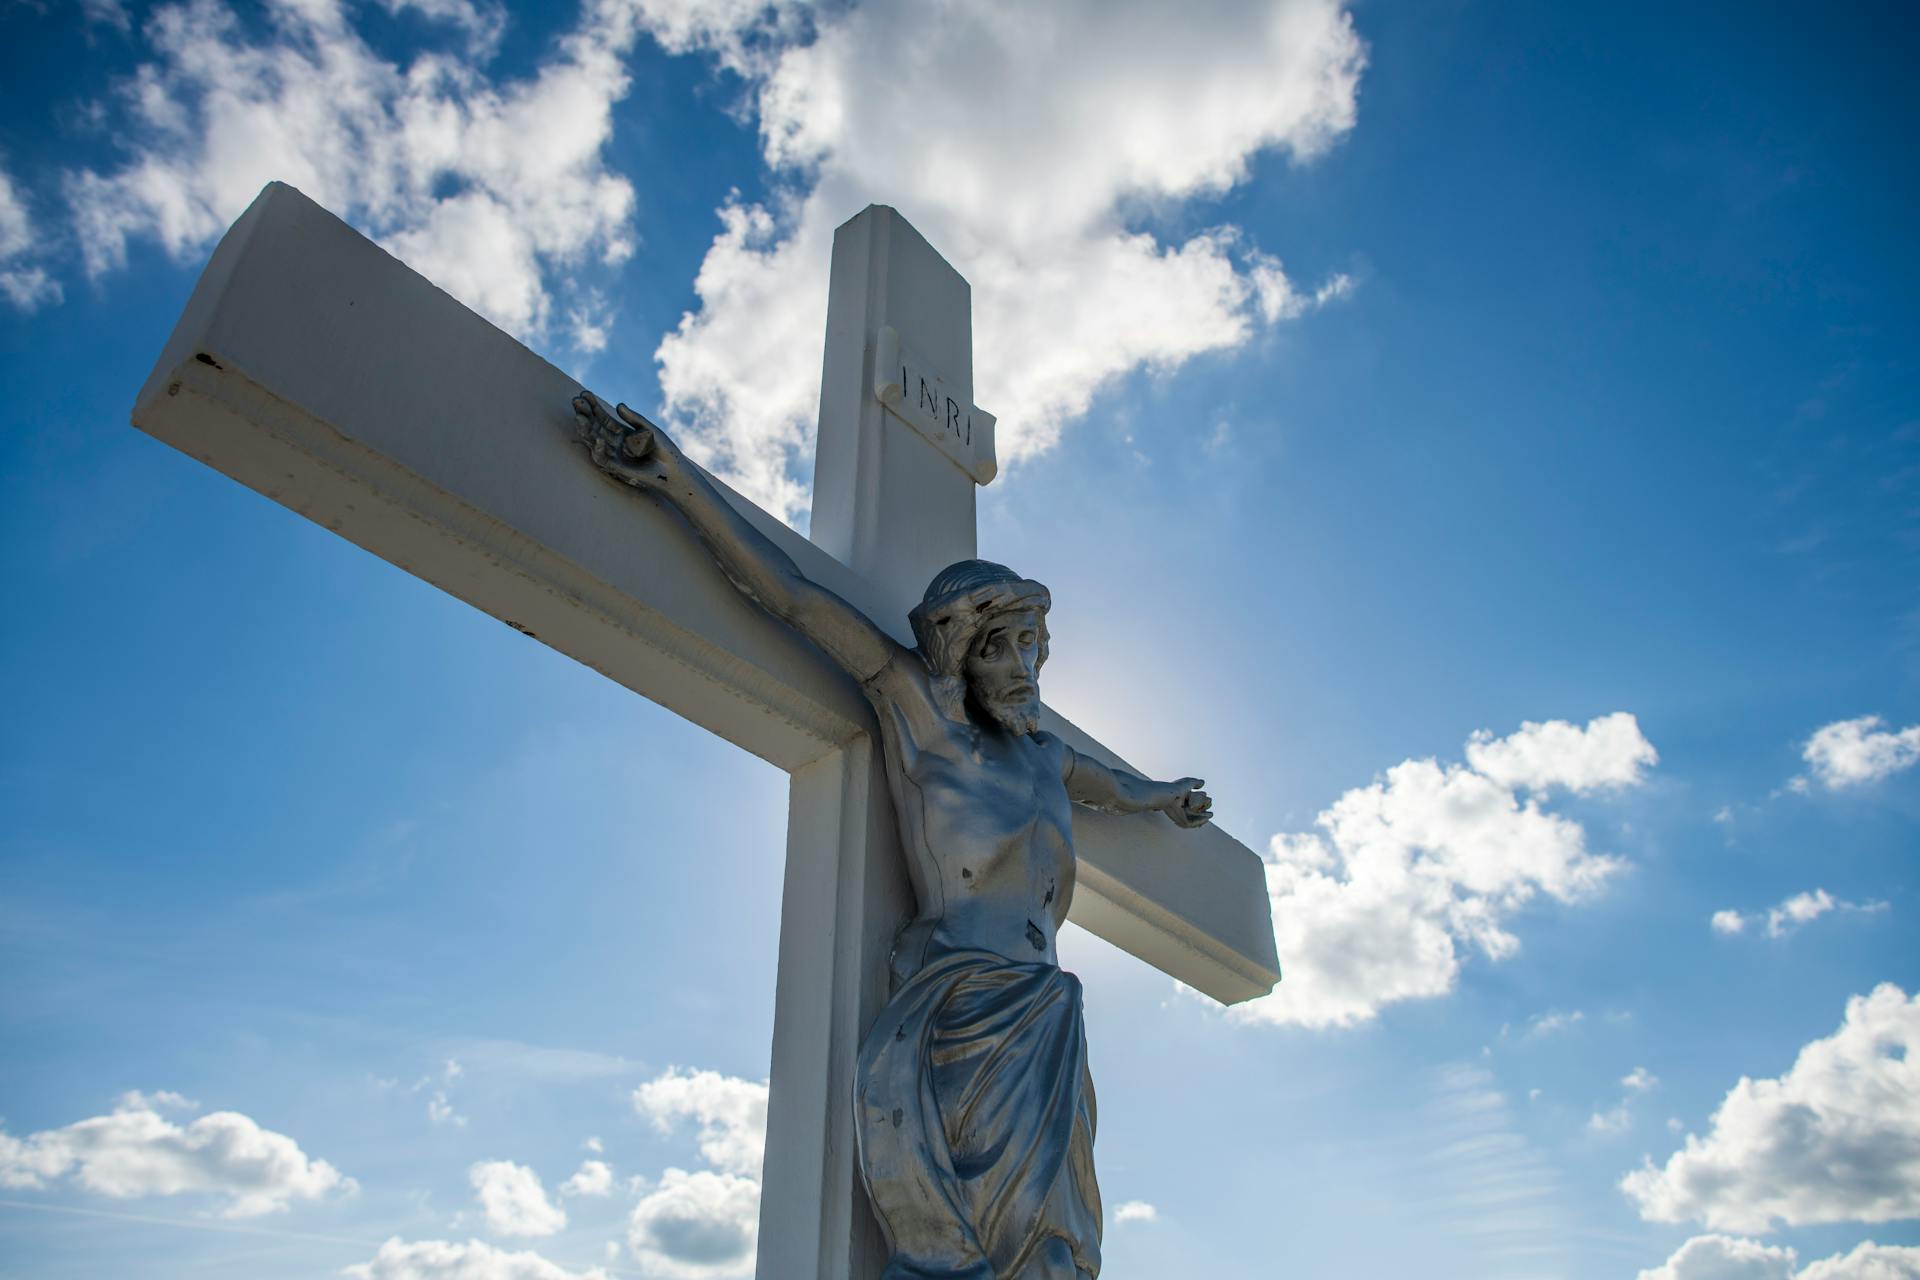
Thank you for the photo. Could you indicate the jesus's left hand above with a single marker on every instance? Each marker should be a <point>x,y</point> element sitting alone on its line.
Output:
<point>1186,803</point>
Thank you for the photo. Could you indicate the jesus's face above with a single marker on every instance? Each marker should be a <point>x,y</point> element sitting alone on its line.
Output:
<point>1003,669</point>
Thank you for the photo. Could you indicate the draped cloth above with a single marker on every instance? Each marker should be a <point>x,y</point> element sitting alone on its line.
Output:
<point>974,1111</point>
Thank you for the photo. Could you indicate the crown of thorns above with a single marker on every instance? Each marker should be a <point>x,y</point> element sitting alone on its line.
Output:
<point>960,600</point>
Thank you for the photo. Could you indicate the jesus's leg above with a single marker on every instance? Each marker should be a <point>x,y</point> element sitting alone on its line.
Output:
<point>1053,1260</point>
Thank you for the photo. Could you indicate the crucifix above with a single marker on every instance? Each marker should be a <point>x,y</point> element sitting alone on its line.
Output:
<point>313,367</point>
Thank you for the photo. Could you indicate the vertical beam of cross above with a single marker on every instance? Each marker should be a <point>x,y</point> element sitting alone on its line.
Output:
<point>896,508</point>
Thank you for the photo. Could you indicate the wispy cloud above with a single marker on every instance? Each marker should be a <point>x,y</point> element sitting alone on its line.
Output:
<point>23,281</point>
<point>1500,1192</point>
<point>546,1063</point>
<point>1619,1117</point>
<point>1786,918</point>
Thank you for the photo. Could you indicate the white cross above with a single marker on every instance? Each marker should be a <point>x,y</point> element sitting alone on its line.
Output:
<point>312,366</point>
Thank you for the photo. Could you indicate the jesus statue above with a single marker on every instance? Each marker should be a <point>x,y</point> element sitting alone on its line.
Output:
<point>973,1104</point>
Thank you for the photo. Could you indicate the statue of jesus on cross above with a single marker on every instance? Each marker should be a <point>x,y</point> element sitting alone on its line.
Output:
<point>974,1107</point>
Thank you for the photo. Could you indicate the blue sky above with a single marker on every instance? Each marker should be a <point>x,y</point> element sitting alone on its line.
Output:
<point>1482,440</point>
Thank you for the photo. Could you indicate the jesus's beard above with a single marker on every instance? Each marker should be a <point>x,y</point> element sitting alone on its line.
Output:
<point>1020,717</point>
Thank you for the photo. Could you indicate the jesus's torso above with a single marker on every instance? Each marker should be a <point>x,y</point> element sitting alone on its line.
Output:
<point>985,824</point>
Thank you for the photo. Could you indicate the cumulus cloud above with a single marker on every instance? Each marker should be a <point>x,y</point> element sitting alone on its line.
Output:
<point>731,1113</point>
<point>1135,1211</point>
<point>1787,917</point>
<point>1609,752</point>
<point>135,1151</point>
<point>474,1260</point>
<point>592,1178</point>
<point>25,284</point>
<point>1835,1139</point>
<point>1848,753</point>
<point>1718,1257</point>
<point>701,1225</point>
<point>515,1202</point>
<point>1032,148</point>
<point>1868,1261</point>
<point>1430,860</point>
<point>498,192</point>
<point>697,1226</point>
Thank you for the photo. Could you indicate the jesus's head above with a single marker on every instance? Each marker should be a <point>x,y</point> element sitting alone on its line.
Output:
<point>983,632</point>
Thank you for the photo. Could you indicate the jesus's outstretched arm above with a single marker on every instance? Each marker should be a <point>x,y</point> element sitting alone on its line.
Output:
<point>1110,790</point>
<point>638,453</point>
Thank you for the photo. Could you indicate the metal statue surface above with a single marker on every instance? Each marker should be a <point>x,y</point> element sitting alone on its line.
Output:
<point>974,1105</point>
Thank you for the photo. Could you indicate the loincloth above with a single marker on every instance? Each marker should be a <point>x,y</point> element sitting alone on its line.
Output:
<point>975,1115</point>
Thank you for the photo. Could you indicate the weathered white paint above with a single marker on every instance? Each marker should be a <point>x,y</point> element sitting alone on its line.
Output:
<point>313,367</point>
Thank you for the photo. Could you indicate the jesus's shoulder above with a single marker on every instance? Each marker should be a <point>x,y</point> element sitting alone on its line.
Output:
<point>930,711</point>
<point>904,684</point>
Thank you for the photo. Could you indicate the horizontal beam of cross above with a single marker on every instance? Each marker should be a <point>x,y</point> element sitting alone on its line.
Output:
<point>315,368</point>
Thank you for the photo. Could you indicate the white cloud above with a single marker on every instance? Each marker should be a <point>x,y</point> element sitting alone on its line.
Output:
<point>474,1260</point>
<point>106,13</point>
<point>697,1226</point>
<point>498,192</point>
<point>1868,1261</point>
<point>440,1111</point>
<point>1029,148</point>
<point>483,24</point>
<point>1615,1119</point>
<point>1552,1022</point>
<point>592,1178</point>
<point>515,1202</point>
<point>1609,752</point>
<point>1848,753</point>
<point>1135,1211</point>
<point>1619,1117</point>
<point>135,1151</point>
<point>1837,1138</point>
<point>1797,910</point>
<point>731,1113</point>
<point>1430,859</point>
<point>545,1063</point>
<point>1718,1257</point>
<point>1790,914</point>
<point>1032,151</point>
<point>26,285</point>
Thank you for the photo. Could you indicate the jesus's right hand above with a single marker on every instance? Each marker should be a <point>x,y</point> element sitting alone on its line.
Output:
<point>638,454</point>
